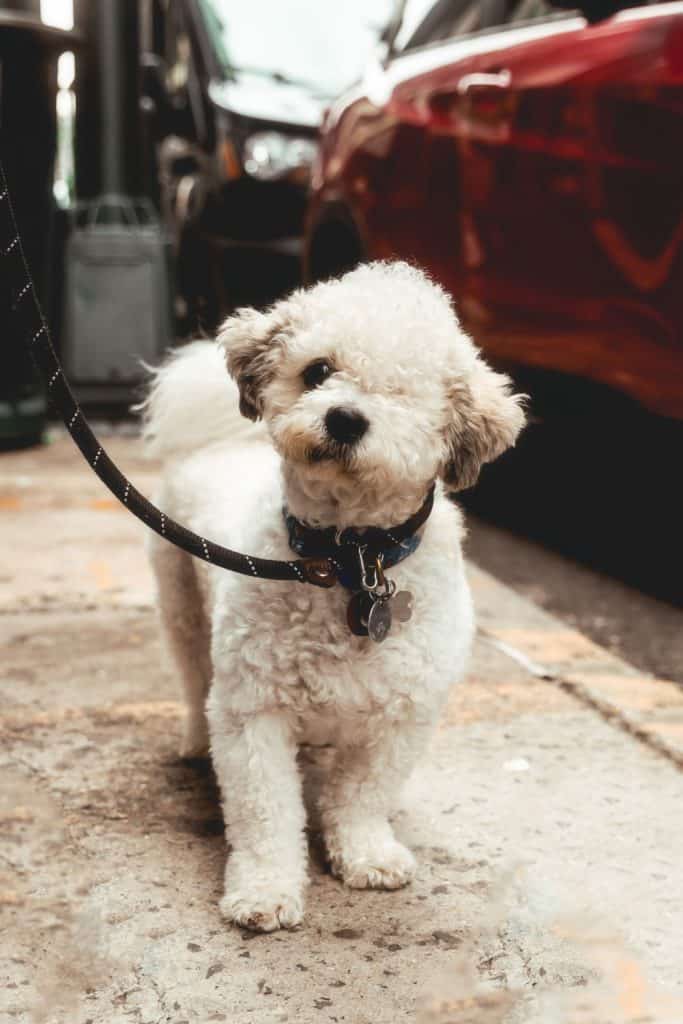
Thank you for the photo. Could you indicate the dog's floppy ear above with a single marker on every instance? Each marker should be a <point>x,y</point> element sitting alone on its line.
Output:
<point>249,341</point>
<point>485,419</point>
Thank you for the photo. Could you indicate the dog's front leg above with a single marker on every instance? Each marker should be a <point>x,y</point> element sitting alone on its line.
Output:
<point>356,802</point>
<point>255,760</point>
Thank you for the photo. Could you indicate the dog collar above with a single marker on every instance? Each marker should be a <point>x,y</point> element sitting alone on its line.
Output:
<point>351,549</point>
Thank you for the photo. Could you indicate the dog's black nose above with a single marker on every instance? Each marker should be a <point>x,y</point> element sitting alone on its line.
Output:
<point>345,425</point>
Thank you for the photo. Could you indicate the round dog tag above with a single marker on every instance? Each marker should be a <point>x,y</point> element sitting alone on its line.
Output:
<point>379,621</point>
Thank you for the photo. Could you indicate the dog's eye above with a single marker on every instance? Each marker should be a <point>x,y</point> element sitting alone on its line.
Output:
<point>317,373</point>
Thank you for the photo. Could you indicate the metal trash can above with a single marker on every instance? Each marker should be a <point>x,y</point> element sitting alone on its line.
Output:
<point>118,303</point>
<point>117,309</point>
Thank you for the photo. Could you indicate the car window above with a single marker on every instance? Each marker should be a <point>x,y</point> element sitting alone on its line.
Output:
<point>425,22</point>
<point>449,19</point>
<point>533,10</point>
<point>439,22</point>
<point>412,16</point>
<point>529,10</point>
<point>322,46</point>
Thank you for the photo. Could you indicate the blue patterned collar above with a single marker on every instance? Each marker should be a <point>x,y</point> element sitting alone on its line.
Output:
<point>389,546</point>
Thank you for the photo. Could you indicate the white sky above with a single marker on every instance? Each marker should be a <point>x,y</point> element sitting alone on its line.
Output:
<point>57,12</point>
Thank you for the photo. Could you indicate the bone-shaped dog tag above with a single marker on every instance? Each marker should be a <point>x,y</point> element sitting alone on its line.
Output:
<point>402,605</point>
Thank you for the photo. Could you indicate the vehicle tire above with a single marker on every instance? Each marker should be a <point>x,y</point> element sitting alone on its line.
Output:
<point>335,248</point>
<point>198,282</point>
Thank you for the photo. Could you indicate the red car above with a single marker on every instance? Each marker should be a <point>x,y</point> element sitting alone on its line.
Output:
<point>532,160</point>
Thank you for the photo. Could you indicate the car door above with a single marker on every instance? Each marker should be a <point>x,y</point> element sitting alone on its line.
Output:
<point>572,202</point>
<point>437,176</point>
<point>408,188</point>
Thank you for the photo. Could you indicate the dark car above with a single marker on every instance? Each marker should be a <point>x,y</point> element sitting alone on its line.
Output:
<point>241,88</point>
<point>532,160</point>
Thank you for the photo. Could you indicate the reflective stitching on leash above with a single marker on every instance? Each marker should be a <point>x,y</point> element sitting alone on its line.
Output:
<point>20,296</point>
<point>206,550</point>
<point>53,378</point>
<point>74,418</point>
<point>42,330</point>
<point>13,243</point>
<point>126,492</point>
<point>97,455</point>
<point>251,565</point>
<point>298,571</point>
<point>163,525</point>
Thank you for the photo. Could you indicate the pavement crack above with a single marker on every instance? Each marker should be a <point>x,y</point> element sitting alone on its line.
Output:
<point>608,711</point>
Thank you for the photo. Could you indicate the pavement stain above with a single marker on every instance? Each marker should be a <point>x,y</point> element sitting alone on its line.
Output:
<point>102,574</point>
<point>105,505</point>
<point>449,939</point>
<point>548,645</point>
<point>501,699</point>
<point>10,503</point>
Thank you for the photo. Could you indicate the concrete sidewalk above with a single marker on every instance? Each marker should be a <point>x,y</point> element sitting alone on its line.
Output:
<point>546,817</point>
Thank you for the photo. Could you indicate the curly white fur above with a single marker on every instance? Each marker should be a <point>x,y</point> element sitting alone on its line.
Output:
<point>269,665</point>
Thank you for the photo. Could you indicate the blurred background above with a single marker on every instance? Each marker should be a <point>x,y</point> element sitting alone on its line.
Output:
<point>170,160</point>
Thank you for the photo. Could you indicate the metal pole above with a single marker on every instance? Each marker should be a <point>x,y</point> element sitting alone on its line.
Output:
<point>110,47</point>
<point>108,134</point>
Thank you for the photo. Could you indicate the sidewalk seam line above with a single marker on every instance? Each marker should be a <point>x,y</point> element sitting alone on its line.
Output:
<point>610,712</point>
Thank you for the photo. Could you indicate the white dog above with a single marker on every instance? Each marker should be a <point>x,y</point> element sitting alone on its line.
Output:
<point>369,392</point>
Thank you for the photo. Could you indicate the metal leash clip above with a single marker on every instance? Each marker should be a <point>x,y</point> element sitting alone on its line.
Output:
<point>371,576</point>
<point>371,610</point>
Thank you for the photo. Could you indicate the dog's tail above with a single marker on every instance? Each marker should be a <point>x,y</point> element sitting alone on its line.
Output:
<point>192,402</point>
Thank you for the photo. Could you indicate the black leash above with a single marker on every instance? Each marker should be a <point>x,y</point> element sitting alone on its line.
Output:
<point>23,311</point>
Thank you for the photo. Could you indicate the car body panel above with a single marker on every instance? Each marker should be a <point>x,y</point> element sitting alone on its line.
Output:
<point>537,172</point>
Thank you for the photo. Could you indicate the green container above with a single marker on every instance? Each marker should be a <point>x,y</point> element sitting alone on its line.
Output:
<point>22,421</point>
<point>23,408</point>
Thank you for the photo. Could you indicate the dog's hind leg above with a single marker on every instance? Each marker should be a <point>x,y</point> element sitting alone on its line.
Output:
<point>187,634</point>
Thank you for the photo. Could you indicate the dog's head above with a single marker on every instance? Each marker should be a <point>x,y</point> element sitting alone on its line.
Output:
<point>370,390</point>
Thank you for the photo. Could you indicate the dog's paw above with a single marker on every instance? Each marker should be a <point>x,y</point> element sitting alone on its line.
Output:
<point>261,912</point>
<point>389,866</point>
